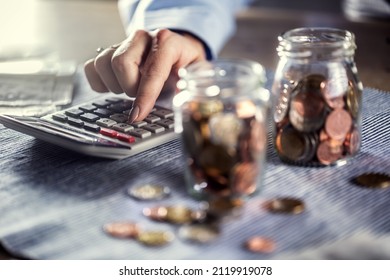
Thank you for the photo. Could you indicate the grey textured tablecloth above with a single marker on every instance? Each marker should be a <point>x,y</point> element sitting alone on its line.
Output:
<point>54,202</point>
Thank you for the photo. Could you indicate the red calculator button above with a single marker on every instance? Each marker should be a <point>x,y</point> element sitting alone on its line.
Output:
<point>125,138</point>
<point>108,132</point>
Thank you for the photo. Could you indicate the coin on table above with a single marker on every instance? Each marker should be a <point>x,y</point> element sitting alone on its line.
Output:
<point>179,214</point>
<point>260,244</point>
<point>122,229</point>
<point>286,205</point>
<point>373,180</point>
<point>199,233</point>
<point>158,213</point>
<point>149,192</point>
<point>155,238</point>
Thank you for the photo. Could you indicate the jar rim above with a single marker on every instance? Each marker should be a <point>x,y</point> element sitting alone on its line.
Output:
<point>223,75</point>
<point>300,42</point>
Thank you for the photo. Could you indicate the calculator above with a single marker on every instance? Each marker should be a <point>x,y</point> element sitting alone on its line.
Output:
<point>99,127</point>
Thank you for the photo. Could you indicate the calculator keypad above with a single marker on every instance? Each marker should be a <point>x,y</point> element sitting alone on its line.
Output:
<point>109,117</point>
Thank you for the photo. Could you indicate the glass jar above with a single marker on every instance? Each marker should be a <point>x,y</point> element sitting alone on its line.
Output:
<point>221,113</point>
<point>317,97</point>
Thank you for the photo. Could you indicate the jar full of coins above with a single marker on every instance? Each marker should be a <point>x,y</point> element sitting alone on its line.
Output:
<point>221,113</point>
<point>316,97</point>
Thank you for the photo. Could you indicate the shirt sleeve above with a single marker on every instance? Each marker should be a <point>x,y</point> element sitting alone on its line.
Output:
<point>211,21</point>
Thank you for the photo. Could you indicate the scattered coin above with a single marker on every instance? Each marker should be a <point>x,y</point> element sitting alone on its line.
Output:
<point>199,233</point>
<point>149,192</point>
<point>373,180</point>
<point>175,214</point>
<point>155,238</point>
<point>122,229</point>
<point>260,244</point>
<point>285,205</point>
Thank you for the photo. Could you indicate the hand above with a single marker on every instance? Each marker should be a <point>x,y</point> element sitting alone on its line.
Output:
<point>141,65</point>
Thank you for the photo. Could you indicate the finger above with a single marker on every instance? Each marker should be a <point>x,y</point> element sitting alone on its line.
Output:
<point>155,72</point>
<point>104,69</point>
<point>127,60</point>
<point>93,77</point>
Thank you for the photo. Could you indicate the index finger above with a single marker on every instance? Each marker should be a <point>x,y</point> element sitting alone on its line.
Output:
<point>154,74</point>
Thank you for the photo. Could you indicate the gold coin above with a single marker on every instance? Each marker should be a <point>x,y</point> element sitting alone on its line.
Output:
<point>179,214</point>
<point>149,192</point>
<point>285,205</point>
<point>199,233</point>
<point>260,244</point>
<point>373,180</point>
<point>122,229</point>
<point>155,238</point>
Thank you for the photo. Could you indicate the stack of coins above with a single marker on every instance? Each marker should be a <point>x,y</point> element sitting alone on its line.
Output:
<point>224,145</point>
<point>317,122</point>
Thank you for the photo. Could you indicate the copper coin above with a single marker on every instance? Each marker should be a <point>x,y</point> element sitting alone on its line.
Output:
<point>338,124</point>
<point>122,229</point>
<point>244,177</point>
<point>327,153</point>
<point>286,205</point>
<point>260,244</point>
<point>158,213</point>
<point>373,180</point>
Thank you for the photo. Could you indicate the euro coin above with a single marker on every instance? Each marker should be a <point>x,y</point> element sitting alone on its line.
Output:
<point>155,238</point>
<point>285,205</point>
<point>199,233</point>
<point>149,192</point>
<point>373,180</point>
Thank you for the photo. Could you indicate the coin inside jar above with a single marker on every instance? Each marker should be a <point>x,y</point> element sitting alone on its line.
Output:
<point>373,180</point>
<point>149,192</point>
<point>122,229</point>
<point>260,244</point>
<point>286,205</point>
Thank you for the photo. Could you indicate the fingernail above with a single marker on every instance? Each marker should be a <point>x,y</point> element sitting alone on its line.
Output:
<point>133,114</point>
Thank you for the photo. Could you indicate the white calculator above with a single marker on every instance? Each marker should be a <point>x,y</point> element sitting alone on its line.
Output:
<point>99,127</point>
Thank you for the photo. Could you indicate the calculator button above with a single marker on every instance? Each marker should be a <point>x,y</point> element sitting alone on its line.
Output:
<point>154,128</point>
<point>75,113</point>
<point>101,103</point>
<point>106,122</point>
<point>125,138</point>
<point>139,124</point>
<point>120,118</point>
<point>89,117</point>
<point>120,107</point>
<point>60,117</point>
<point>104,113</point>
<point>75,122</point>
<point>123,127</point>
<point>108,132</point>
<point>114,99</point>
<point>167,123</point>
<point>163,113</point>
<point>88,108</point>
<point>91,127</point>
<point>152,118</point>
<point>140,133</point>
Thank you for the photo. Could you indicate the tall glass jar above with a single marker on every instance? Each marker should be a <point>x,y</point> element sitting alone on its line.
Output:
<point>317,97</point>
<point>221,113</point>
